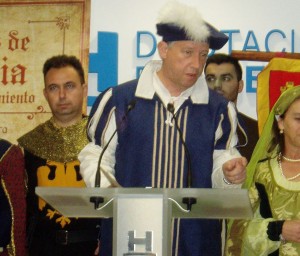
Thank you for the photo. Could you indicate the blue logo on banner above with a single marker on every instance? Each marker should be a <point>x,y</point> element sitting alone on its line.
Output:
<point>104,63</point>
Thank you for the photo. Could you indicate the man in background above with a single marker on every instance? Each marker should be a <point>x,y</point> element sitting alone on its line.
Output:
<point>223,74</point>
<point>51,151</point>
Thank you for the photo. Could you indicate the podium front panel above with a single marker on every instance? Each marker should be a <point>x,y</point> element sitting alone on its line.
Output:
<point>140,225</point>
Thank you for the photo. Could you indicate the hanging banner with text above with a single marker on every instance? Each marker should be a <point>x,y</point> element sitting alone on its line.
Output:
<point>31,32</point>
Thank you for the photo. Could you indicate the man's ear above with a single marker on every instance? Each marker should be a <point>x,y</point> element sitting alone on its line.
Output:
<point>85,90</point>
<point>45,94</point>
<point>162,49</point>
<point>241,85</point>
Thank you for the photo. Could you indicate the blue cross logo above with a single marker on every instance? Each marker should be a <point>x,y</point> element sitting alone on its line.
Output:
<point>104,63</point>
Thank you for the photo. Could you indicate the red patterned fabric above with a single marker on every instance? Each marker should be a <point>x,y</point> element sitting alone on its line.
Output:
<point>271,82</point>
<point>278,80</point>
<point>12,175</point>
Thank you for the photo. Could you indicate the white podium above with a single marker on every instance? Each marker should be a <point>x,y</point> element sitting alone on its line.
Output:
<point>142,216</point>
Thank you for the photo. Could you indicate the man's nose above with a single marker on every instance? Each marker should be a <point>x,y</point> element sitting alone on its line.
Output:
<point>196,62</point>
<point>217,84</point>
<point>62,93</point>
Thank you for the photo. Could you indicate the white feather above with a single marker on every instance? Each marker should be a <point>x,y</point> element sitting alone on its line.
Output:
<point>185,17</point>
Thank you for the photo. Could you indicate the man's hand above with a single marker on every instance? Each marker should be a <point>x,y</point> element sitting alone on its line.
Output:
<point>235,170</point>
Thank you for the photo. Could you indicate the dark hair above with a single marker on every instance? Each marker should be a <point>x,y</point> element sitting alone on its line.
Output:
<point>220,58</point>
<point>61,61</point>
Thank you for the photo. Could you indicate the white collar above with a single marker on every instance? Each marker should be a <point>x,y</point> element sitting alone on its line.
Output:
<point>166,97</point>
<point>146,87</point>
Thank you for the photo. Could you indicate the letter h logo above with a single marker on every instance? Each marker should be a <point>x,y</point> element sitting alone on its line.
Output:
<point>133,241</point>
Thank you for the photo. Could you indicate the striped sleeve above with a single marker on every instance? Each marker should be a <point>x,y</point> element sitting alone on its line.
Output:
<point>100,129</point>
<point>225,142</point>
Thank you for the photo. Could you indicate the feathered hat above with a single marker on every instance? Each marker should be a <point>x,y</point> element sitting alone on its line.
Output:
<point>177,22</point>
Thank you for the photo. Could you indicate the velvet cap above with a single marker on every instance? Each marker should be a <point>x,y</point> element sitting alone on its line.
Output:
<point>178,22</point>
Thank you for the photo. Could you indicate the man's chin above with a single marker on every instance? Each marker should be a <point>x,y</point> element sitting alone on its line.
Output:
<point>64,112</point>
<point>190,83</point>
<point>221,93</point>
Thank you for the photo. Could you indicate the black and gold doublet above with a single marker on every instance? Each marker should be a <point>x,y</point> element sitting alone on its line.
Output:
<point>51,161</point>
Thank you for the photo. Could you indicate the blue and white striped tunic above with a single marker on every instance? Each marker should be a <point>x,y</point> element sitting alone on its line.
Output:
<point>147,150</point>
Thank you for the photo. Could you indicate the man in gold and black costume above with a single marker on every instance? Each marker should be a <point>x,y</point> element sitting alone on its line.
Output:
<point>51,151</point>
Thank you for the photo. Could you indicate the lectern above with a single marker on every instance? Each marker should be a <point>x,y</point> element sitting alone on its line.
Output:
<point>142,216</point>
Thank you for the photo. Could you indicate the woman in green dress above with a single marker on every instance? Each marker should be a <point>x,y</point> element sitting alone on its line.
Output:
<point>273,180</point>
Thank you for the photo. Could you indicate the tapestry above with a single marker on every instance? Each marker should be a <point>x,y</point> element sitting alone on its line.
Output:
<point>30,33</point>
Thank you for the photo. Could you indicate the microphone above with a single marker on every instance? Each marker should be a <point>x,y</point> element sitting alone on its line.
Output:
<point>189,201</point>
<point>95,199</point>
